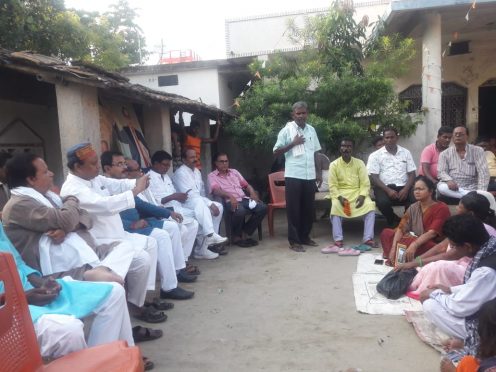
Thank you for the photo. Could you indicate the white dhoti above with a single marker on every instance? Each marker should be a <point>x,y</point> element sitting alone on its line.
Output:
<point>59,335</point>
<point>147,244</point>
<point>189,230</point>
<point>166,259</point>
<point>174,231</point>
<point>139,273</point>
<point>111,321</point>
<point>443,189</point>
<point>119,259</point>
<point>200,205</point>
<point>449,324</point>
<point>197,208</point>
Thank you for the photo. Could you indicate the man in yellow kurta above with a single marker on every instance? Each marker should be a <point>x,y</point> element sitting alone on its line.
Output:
<point>349,187</point>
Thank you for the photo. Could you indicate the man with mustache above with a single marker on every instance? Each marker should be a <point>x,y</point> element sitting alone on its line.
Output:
<point>349,186</point>
<point>430,155</point>
<point>299,143</point>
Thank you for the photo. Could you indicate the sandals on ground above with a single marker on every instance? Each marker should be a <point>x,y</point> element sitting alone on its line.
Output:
<point>348,252</point>
<point>148,364</point>
<point>150,315</point>
<point>362,247</point>
<point>159,304</point>
<point>142,334</point>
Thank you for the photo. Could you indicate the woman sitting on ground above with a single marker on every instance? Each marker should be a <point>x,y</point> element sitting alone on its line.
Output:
<point>442,265</point>
<point>421,226</point>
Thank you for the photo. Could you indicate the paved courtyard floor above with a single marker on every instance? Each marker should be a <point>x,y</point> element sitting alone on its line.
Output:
<point>268,308</point>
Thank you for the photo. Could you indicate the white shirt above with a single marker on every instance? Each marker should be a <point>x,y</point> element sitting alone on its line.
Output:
<point>160,187</point>
<point>185,179</point>
<point>467,299</point>
<point>103,198</point>
<point>392,169</point>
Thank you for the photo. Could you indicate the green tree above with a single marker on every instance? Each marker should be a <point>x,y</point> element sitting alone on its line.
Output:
<point>122,23</point>
<point>110,41</point>
<point>346,96</point>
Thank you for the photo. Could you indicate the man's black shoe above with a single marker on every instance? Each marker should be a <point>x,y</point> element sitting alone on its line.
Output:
<point>184,277</point>
<point>177,294</point>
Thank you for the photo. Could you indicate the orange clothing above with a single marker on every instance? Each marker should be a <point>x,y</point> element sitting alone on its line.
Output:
<point>468,364</point>
<point>195,144</point>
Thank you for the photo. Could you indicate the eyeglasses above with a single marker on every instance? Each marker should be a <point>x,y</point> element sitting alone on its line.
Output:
<point>222,161</point>
<point>120,164</point>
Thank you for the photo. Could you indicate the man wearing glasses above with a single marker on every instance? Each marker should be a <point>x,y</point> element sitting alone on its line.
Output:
<point>462,168</point>
<point>240,198</point>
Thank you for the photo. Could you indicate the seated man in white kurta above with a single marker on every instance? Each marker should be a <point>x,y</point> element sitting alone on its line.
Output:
<point>104,198</point>
<point>53,235</point>
<point>165,194</point>
<point>170,250</point>
<point>454,310</point>
<point>188,179</point>
<point>188,227</point>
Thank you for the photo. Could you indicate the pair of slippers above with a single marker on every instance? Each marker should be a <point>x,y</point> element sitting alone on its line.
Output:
<point>342,251</point>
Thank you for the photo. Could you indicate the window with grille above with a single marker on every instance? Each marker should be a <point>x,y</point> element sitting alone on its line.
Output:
<point>454,102</point>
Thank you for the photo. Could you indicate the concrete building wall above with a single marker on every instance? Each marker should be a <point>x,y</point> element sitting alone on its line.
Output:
<point>78,114</point>
<point>468,70</point>
<point>43,120</point>
<point>265,34</point>
<point>199,85</point>
<point>226,94</point>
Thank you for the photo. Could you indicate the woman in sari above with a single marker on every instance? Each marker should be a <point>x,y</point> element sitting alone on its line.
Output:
<point>420,228</point>
<point>442,265</point>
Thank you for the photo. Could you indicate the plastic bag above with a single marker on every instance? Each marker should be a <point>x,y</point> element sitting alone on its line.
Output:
<point>395,284</point>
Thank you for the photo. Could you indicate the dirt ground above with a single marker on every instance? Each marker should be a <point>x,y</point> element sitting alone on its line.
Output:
<point>270,309</point>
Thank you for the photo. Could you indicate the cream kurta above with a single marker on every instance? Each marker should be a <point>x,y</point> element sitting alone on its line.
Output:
<point>349,180</point>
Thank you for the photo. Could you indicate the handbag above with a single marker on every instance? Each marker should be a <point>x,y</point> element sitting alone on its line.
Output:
<point>395,284</point>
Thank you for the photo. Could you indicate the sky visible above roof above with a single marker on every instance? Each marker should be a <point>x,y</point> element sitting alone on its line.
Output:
<point>194,24</point>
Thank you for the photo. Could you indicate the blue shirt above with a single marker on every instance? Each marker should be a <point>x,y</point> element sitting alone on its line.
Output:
<point>147,211</point>
<point>303,166</point>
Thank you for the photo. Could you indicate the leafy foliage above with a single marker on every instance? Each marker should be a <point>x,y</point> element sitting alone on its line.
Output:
<point>112,40</point>
<point>346,97</point>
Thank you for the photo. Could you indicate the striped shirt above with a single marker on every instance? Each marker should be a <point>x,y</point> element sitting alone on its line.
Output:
<point>470,173</point>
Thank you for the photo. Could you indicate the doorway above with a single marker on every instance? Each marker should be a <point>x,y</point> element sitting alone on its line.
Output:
<point>487,110</point>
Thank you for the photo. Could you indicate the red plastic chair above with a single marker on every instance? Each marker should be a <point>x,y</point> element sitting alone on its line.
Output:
<point>19,350</point>
<point>277,190</point>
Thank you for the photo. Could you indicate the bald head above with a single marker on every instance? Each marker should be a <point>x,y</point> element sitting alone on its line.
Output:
<point>133,169</point>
